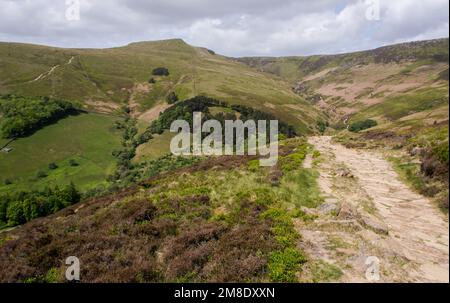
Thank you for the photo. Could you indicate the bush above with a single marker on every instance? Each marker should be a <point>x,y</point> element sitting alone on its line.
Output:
<point>441,151</point>
<point>172,98</point>
<point>283,265</point>
<point>432,167</point>
<point>8,182</point>
<point>41,174</point>
<point>160,71</point>
<point>152,81</point>
<point>362,125</point>
<point>316,154</point>
<point>73,163</point>
<point>52,166</point>
<point>322,126</point>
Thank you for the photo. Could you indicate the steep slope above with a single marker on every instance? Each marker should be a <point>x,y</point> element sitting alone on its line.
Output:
<point>370,84</point>
<point>297,68</point>
<point>224,219</point>
<point>107,79</point>
<point>403,88</point>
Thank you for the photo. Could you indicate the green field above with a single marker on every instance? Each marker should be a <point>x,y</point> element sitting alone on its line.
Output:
<point>88,139</point>
<point>155,148</point>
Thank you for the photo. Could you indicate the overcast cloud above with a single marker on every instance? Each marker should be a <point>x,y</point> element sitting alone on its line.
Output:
<point>230,27</point>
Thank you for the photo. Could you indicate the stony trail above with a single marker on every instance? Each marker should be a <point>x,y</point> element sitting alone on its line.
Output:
<point>416,246</point>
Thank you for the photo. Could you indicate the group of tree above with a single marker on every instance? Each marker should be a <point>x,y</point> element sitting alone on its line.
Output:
<point>24,115</point>
<point>124,173</point>
<point>184,110</point>
<point>362,125</point>
<point>20,207</point>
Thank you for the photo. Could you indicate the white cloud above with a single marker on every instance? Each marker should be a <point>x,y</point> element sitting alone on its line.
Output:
<point>233,27</point>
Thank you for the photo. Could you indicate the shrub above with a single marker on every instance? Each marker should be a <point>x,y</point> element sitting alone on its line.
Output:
<point>172,98</point>
<point>52,166</point>
<point>322,126</point>
<point>15,215</point>
<point>316,154</point>
<point>160,71</point>
<point>73,163</point>
<point>283,265</point>
<point>8,182</point>
<point>295,160</point>
<point>441,151</point>
<point>362,125</point>
<point>431,167</point>
<point>41,174</point>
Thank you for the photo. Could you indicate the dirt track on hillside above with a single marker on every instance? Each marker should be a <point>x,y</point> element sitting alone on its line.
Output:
<point>415,245</point>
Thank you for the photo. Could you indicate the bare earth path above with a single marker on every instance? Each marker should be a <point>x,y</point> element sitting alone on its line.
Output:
<point>46,74</point>
<point>380,216</point>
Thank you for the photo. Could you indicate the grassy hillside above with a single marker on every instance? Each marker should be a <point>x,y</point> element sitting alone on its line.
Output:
<point>296,68</point>
<point>403,88</point>
<point>87,139</point>
<point>182,226</point>
<point>106,79</point>
<point>391,84</point>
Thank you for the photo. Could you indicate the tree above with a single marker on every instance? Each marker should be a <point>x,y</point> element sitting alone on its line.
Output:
<point>172,98</point>
<point>73,196</point>
<point>160,71</point>
<point>362,125</point>
<point>15,214</point>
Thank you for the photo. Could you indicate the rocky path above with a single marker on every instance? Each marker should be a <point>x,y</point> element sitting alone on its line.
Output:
<point>379,216</point>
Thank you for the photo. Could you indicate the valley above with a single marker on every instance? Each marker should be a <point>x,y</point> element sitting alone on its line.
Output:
<point>362,174</point>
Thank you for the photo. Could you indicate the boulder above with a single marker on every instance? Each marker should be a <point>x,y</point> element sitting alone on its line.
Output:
<point>329,208</point>
<point>347,212</point>
<point>345,173</point>
<point>375,225</point>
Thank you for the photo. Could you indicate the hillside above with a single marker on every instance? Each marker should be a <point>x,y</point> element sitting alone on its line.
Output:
<point>373,184</point>
<point>370,84</point>
<point>403,88</point>
<point>107,79</point>
<point>184,225</point>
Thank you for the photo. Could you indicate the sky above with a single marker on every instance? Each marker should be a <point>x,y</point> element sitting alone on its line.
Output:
<point>230,27</point>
